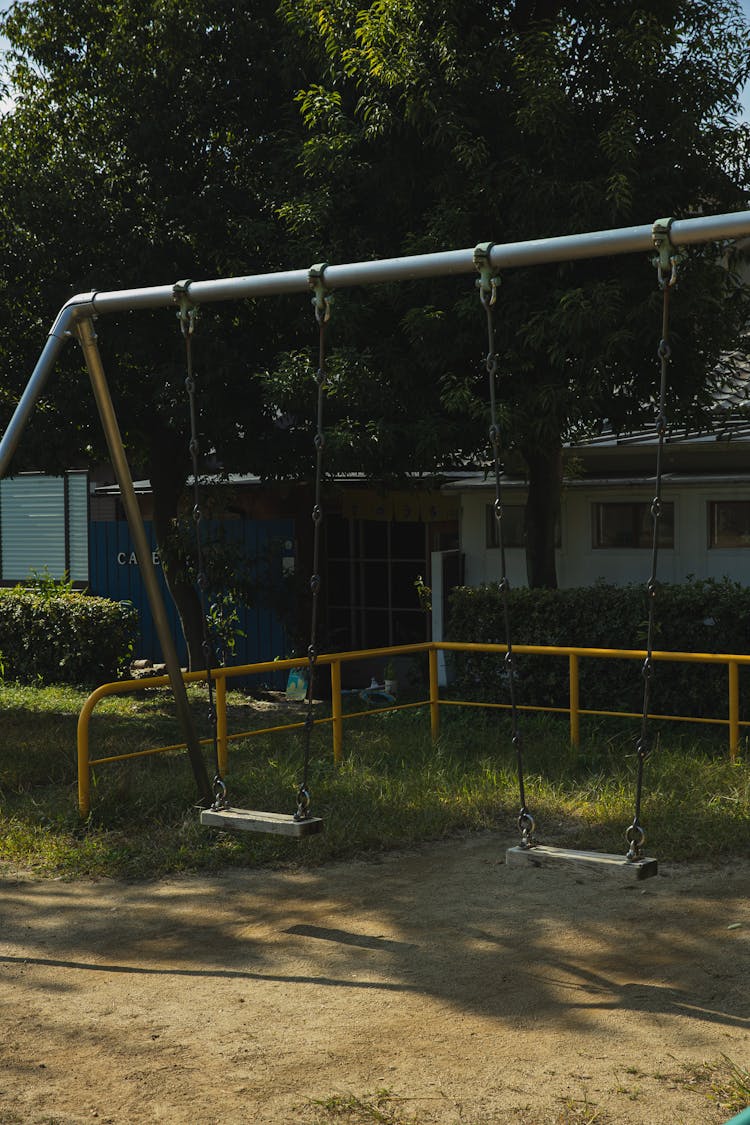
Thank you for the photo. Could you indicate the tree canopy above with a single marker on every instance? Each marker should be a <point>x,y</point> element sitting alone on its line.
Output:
<point>149,141</point>
<point>153,140</point>
<point>440,124</point>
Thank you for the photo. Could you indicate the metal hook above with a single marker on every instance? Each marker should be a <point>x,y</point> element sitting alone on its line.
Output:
<point>636,838</point>
<point>220,794</point>
<point>188,310</point>
<point>488,280</point>
<point>668,255</point>
<point>303,804</point>
<point>321,296</point>
<point>527,827</point>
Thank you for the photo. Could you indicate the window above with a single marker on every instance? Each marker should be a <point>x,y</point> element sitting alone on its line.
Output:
<point>371,569</point>
<point>630,524</point>
<point>729,523</point>
<point>513,529</point>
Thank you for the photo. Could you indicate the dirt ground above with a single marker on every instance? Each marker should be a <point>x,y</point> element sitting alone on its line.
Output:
<point>477,992</point>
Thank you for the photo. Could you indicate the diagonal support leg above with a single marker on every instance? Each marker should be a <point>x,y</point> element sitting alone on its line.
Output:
<point>86,336</point>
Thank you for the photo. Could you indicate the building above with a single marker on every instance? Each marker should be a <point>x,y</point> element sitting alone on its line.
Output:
<point>606,528</point>
<point>379,544</point>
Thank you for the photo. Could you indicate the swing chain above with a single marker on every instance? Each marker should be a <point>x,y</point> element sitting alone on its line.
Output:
<point>187,317</point>
<point>321,302</point>
<point>487,284</point>
<point>666,264</point>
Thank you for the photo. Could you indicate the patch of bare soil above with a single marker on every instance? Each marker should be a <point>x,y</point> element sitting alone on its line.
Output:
<point>478,993</point>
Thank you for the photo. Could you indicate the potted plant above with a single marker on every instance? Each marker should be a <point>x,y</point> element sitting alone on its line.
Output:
<point>390,684</point>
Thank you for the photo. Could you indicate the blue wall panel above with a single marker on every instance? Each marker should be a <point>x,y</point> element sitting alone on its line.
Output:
<point>115,574</point>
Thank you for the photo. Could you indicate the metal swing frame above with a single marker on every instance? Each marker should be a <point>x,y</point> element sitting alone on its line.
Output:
<point>75,320</point>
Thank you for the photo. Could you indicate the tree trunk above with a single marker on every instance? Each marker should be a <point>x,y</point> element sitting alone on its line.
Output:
<point>542,514</point>
<point>168,469</point>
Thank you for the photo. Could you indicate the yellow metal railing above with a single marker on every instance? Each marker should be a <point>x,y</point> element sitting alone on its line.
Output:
<point>431,649</point>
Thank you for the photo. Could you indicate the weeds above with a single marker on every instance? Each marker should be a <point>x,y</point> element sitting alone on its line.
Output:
<point>386,1108</point>
<point>724,1082</point>
<point>381,1108</point>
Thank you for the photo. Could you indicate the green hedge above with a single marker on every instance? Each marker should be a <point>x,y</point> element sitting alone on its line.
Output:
<point>64,637</point>
<point>700,616</point>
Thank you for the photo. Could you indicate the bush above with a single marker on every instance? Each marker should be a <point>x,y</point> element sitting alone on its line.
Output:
<point>703,615</point>
<point>52,634</point>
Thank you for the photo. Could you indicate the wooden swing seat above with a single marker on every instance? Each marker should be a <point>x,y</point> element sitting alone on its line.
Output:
<point>614,865</point>
<point>255,820</point>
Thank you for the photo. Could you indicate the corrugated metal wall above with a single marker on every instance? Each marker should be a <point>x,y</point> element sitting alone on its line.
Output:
<point>33,532</point>
<point>78,527</point>
<point>114,573</point>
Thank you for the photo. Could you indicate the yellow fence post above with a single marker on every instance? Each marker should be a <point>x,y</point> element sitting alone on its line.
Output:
<point>575,702</point>
<point>434,694</point>
<point>84,770</point>
<point>337,714</point>
<point>734,709</point>
<point>222,740</point>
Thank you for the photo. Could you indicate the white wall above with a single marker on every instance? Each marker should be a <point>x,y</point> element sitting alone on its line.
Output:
<point>580,564</point>
<point>481,564</point>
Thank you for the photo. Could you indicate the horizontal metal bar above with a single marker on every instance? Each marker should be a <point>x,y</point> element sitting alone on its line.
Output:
<point>583,711</point>
<point>626,240</point>
<point>599,653</point>
<point>683,232</point>
<point>595,244</point>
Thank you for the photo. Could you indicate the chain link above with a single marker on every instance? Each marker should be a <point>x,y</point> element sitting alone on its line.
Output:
<point>488,284</point>
<point>666,267</point>
<point>322,306</point>
<point>187,317</point>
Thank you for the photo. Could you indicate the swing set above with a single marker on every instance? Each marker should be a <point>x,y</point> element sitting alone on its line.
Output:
<point>666,237</point>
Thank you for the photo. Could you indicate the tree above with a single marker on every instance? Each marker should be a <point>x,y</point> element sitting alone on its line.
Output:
<point>445,122</point>
<point>149,140</point>
<point>154,140</point>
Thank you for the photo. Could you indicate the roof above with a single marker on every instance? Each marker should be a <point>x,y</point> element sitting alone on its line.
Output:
<point>143,487</point>
<point>728,418</point>
<point>486,482</point>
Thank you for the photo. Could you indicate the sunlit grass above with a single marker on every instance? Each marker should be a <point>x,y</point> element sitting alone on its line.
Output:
<point>394,788</point>
<point>723,1082</point>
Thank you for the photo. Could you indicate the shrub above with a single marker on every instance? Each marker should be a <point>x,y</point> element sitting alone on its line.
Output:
<point>52,634</point>
<point>703,615</point>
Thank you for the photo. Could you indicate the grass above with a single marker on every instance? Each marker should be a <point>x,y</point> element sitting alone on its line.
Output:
<point>386,1108</point>
<point>381,1108</point>
<point>394,788</point>
<point>723,1083</point>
